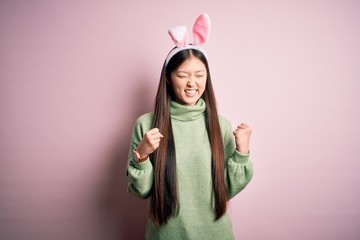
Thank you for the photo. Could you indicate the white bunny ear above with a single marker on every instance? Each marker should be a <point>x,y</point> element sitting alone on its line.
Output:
<point>201,29</point>
<point>179,36</point>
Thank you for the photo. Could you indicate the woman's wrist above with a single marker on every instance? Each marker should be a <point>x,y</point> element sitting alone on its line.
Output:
<point>141,152</point>
<point>242,150</point>
<point>138,157</point>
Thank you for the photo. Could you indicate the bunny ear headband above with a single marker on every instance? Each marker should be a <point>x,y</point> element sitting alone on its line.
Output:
<point>179,35</point>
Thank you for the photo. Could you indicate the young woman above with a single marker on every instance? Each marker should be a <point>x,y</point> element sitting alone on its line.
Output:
<point>185,158</point>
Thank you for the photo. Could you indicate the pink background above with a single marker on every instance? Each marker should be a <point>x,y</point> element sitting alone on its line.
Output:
<point>74,76</point>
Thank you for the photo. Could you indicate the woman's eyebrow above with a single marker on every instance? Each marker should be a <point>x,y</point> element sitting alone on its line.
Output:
<point>184,71</point>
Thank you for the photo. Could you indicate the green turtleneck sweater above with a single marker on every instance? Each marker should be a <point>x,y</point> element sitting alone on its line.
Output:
<point>195,219</point>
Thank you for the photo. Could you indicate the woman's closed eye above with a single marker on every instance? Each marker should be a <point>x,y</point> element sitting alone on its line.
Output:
<point>182,76</point>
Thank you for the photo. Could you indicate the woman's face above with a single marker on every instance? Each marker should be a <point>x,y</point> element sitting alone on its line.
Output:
<point>189,81</point>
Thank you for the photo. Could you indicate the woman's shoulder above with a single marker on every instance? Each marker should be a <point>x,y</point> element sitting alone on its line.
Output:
<point>224,121</point>
<point>145,120</point>
<point>145,117</point>
<point>142,125</point>
<point>225,125</point>
<point>226,130</point>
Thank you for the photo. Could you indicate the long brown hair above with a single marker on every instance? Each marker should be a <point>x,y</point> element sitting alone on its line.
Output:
<point>164,199</point>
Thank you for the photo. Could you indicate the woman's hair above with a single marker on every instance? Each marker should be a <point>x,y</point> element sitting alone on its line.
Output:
<point>164,199</point>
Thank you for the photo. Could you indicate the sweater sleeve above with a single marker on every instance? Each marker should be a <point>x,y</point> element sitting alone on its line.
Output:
<point>238,167</point>
<point>139,175</point>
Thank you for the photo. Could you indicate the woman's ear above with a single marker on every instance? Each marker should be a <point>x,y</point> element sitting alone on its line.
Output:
<point>168,80</point>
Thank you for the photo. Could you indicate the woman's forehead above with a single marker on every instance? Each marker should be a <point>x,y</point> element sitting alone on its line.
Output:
<point>192,64</point>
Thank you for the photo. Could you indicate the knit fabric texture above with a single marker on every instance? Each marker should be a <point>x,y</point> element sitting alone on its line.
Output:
<point>196,217</point>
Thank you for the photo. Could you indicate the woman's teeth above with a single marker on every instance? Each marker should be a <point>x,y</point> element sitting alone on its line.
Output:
<point>190,91</point>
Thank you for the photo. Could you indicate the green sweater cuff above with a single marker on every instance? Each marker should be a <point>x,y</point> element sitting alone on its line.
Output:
<point>241,157</point>
<point>143,165</point>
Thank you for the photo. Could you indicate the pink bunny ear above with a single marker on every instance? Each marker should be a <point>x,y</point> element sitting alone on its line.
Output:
<point>201,29</point>
<point>179,36</point>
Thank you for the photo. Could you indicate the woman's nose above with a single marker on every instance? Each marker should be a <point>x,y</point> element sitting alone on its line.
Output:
<point>191,82</point>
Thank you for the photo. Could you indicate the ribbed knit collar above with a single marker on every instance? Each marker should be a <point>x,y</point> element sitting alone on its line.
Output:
<point>187,113</point>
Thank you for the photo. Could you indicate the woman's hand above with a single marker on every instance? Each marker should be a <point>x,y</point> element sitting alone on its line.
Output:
<point>242,138</point>
<point>149,143</point>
